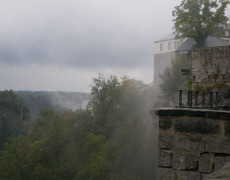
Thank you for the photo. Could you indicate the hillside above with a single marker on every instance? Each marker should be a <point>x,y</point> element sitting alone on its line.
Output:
<point>56,100</point>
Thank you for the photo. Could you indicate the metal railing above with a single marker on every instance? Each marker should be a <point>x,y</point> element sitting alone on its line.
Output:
<point>204,99</point>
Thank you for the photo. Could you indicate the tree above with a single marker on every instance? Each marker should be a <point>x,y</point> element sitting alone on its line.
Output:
<point>198,19</point>
<point>13,159</point>
<point>14,116</point>
<point>111,139</point>
<point>172,78</point>
<point>104,102</point>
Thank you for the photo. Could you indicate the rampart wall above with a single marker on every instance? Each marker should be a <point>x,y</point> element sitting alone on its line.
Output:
<point>193,144</point>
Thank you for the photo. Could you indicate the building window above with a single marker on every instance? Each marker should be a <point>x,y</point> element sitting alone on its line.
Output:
<point>169,45</point>
<point>161,47</point>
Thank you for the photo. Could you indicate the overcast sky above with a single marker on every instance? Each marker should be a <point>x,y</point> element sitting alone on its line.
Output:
<point>61,45</point>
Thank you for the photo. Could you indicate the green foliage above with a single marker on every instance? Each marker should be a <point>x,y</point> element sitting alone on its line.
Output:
<point>13,159</point>
<point>108,140</point>
<point>10,99</point>
<point>172,78</point>
<point>189,84</point>
<point>42,124</point>
<point>97,158</point>
<point>105,102</point>
<point>14,116</point>
<point>199,18</point>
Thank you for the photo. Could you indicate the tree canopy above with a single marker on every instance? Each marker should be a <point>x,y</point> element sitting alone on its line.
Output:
<point>172,78</point>
<point>198,19</point>
<point>110,139</point>
<point>14,116</point>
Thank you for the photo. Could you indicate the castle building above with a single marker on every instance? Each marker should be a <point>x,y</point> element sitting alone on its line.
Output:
<point>168,47</point>
<point>164,53</point>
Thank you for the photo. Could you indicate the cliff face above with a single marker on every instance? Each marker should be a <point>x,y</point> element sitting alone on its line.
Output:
<point>192,144</point>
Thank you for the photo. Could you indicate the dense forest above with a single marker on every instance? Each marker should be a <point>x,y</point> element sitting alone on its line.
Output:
<point>14,116</point>
<point>111,138</point>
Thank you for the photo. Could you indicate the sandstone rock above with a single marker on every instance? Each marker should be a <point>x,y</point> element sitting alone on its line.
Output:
<point>180,142</point>
<point>184,162</point>
<point>188,175</point>
<point>165,122</point>
<point>178,162</point>
<point>165,140</point>
<point>164,159</point>
<point>191,162</point>
<point>206,163</point>
<point>197,125</point>
<point>166,174</point>
<point>220,161</point>
<point>222,174</point>
<point>217,146</point>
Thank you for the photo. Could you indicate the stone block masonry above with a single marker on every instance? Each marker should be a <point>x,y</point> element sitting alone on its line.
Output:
<point>211,67</point>
<point>192,143</point>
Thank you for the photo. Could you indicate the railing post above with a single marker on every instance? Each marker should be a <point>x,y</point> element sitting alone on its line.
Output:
<point>180,98</point>
<point>189,99</point>
<point>217,98</point>
<point>210,99</point>
<point>196,98</point>
<point>203,99</point>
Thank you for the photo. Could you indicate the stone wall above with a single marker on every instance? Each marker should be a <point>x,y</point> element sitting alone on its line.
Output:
<point>192,143</point>
<point>211,67</point>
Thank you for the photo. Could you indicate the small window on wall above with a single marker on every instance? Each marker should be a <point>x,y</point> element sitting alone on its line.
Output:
<point>161,47</point>
<point>169,45</point>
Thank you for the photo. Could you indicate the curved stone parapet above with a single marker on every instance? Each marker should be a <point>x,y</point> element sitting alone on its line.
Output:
<point>192,143</point>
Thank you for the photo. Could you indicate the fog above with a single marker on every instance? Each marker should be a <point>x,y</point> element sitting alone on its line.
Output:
<point>70,101</point>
